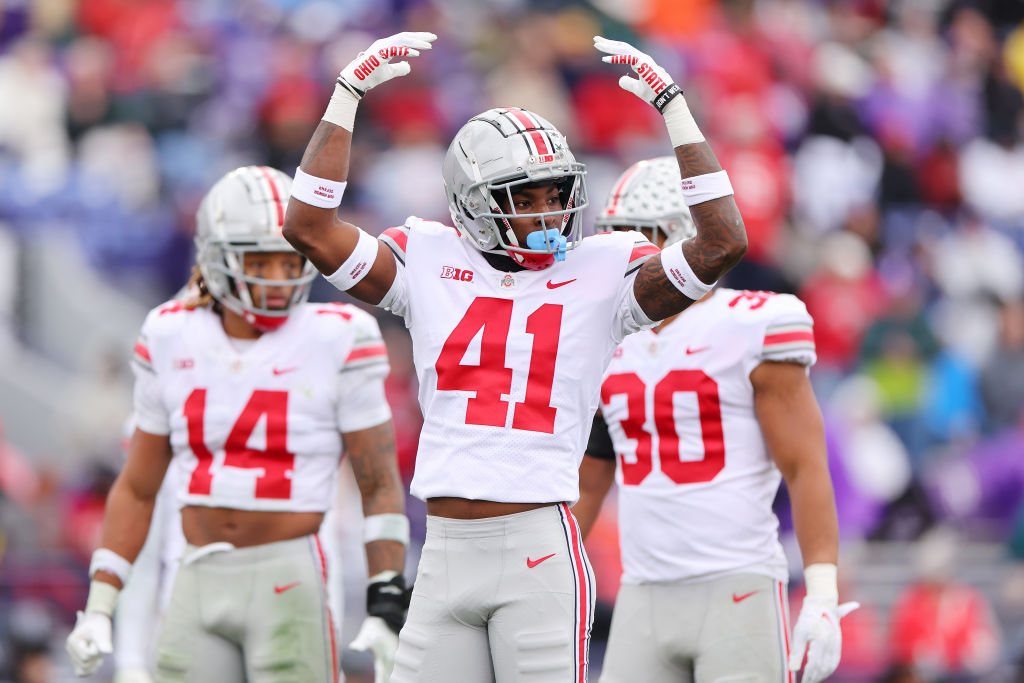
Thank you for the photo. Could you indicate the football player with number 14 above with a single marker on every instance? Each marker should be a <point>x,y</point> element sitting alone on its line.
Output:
<point>513,318</point>
<point>699,416</point>
<point>251,393</point>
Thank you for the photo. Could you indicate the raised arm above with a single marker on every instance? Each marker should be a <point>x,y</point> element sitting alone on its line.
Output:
<point>683,272</point>
<point>351,259</point>
<point>795,436</point>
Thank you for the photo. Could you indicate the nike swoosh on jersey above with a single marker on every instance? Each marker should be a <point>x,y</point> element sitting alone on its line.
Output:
<point>690,351</point>
<point>287,586</point>
<point>741,598</point>
<point>281,371</point>
<point>533,563</point>
<point>556,285</point>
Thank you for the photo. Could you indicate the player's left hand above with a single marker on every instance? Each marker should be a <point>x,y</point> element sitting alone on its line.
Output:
<point>376,636</point>
<point>653,86</point>
<point>818,633</point>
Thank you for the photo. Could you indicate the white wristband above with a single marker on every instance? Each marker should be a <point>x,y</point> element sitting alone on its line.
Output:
<point>822,581</point>
<point>386,527</point>
<point>680,274</point>
<point>358,264</point>
<point>341,110</point>
<point>319,192</point>
<point>108,561</point>
<point>703,188</point>
<point>682,128</point>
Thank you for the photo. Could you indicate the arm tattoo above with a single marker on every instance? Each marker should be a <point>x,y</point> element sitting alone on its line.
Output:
<point>372,454</point>
<point>719,245</point>
<point>321,136</point>
<point>327,153</point>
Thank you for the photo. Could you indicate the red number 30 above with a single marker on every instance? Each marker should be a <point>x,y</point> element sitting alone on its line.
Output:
<point>676,469</point>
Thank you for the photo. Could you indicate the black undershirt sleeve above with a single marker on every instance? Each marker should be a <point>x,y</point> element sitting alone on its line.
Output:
<point>600,443</point>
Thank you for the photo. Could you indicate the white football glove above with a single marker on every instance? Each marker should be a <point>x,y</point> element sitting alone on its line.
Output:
<point>89,641</point>
<point>376,636</point>
<point>818,633</point>
<point>132,676</point>
<point>373,66</point>
<point>653,86</point>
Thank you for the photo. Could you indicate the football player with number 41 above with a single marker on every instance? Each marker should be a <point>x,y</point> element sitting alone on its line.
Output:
<point>250,394</point>
<point>513,318</point>
<point>700,418</point>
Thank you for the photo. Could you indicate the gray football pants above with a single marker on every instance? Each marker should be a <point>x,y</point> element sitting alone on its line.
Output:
<point>250,614</point>
<point>506,599</point>
<point>733,629</point>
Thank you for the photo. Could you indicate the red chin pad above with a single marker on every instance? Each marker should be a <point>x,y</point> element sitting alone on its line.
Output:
<point>532,261</point>
<point>265,323</point>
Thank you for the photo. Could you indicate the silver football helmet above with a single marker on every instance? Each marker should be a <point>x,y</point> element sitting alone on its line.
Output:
<point>243,212</point>
<point>494,153</point>
<point>649,196</point>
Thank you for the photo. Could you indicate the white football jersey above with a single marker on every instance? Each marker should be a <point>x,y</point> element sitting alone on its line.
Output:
<point>509,364</point>
<point>696,483</point>
<point>259,428</point>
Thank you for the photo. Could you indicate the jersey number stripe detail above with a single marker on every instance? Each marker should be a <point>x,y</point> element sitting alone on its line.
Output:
<point>676,469</point>
<point>491,378</point>
<point>276,462</point>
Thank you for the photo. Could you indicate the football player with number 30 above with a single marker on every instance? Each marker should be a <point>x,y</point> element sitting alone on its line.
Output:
<point>704,412</point>
<point>251,394</point>
<point>513,318</point>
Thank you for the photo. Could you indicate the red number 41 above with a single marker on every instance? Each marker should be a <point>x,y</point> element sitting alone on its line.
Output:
<point>490,379</point>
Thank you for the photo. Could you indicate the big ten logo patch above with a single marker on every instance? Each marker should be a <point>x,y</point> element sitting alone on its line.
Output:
<point>450,273</point>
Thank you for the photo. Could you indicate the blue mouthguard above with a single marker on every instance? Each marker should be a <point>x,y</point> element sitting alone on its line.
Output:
<point>547,240</point>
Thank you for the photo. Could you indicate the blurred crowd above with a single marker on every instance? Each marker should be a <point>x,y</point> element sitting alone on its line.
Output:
<point>875,148</point>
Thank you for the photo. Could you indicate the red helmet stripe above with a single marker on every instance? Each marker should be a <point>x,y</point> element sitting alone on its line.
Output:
<point>620,188</point>
<point>531,126</point>
<point>540,142</point>
<point>274,193</point>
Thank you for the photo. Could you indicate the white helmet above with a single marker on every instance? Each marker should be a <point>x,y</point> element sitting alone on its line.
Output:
<point>243,212</point>
<point>649,195</point>
<point>496,152</point>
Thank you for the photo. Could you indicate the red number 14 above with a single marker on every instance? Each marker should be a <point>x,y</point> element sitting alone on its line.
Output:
<point>276,462</point>
<point>492,318</point>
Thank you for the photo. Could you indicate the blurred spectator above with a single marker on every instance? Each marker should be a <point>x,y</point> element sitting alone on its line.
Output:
<point>32,131</point>
<point>938,625</point>
<point>843,296</point>
<point>1002,375</point>
<point>895,352</point>
<point>876,495</point>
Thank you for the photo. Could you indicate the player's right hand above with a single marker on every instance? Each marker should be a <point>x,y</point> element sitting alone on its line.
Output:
<point>89,641</point>
<point>373,66</point>
<point>817,632</point>
<point>653,86</point>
